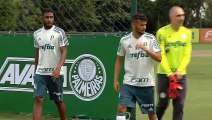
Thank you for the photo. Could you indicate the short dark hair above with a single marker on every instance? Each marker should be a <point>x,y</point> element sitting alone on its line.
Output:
<point>45,10</point>
<point>139,16</point>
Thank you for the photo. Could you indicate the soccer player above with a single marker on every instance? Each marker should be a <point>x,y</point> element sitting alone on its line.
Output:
<point>50,44</point>
<point>138,50</point>
<point>175,42</point>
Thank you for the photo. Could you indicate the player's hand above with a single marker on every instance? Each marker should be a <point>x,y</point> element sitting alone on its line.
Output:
<point>116,86</point>
<point>178,75</point>
<point>173,79</point>
<point>139,45</point>
<point>56,74</point>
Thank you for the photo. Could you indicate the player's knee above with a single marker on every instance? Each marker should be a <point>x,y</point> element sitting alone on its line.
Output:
<point>122,109</point>
<point>179,106</point>
<point>58,102</point>
<point>39,100</point>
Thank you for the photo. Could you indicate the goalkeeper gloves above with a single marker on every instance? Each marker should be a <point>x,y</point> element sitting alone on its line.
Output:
<point>174,87</point>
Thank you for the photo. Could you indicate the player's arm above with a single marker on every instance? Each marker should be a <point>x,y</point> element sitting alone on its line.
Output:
<point>63,51</point>
<point>56,72</point>
<point>118,64</point>
<point>153,54</point>
<point>63,41</point>
<point>187,55</point>
<point>164,62</point>
<point>36,45</point>
<point>36,58</point>
<point>117,70</point>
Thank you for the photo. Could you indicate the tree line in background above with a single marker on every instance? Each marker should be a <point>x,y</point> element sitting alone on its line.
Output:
<point>99,15</point>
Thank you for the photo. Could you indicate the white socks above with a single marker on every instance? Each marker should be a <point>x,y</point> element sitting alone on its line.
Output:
<point>120,117</point>
<point>123,116</point>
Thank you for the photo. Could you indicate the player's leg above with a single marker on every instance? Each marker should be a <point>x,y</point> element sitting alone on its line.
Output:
<point>126,99</point>
<point>152,116</point>
<point>39,93</point>
<point>163,98</point>
<point>55,88</point>
<point>37,108</point>
<point>145,98</point>
<point>132,112</point>
<point>178,103</point>
<point>61,109</point>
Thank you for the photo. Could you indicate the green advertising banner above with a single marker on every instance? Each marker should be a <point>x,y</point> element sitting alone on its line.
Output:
<point>88,73</point>
<point>195,35</point>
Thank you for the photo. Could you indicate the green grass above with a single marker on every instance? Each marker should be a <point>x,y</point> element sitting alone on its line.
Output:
<point>199,89</point>
<point>21,116</point>
<point>202,46</point>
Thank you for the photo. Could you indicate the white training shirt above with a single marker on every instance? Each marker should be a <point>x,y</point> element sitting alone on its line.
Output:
<point>49,43</point>
<point>139,66</point>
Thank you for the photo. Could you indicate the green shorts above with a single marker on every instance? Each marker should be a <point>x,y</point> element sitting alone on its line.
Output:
<point>129,95</point>
<point>44,83</point>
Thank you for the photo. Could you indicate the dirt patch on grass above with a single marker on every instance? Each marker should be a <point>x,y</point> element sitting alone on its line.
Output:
<point>202,53</point>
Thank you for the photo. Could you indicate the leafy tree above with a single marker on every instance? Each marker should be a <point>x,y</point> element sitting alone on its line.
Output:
<point>99,15</point>
<point>207,19</point>
<point>148,7</point>
<point>163,7</point>
<point>29,18</point>
<point>193,12</point>
<point>8,15</point>
<point>73,15</point>
<point>114,15</point>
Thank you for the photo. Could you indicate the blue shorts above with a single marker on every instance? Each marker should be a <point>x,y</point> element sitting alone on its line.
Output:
<point>42,83</point>
<point>129,95</point>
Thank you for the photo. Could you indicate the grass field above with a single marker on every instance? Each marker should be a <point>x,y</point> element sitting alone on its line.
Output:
<point>198,102</point>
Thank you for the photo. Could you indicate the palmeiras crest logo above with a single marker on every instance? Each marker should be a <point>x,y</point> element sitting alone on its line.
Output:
<point>87,77</point>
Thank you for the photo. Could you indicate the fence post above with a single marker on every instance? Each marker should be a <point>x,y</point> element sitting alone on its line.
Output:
<point>133,9</point>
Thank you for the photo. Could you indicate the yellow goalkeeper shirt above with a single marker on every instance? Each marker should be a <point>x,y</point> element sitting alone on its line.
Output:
<point>176,49</point>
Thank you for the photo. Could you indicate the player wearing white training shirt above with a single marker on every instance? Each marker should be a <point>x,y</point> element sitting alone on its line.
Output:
<point>138,50</point>
<point>50,44</point>
<point>139,67</point>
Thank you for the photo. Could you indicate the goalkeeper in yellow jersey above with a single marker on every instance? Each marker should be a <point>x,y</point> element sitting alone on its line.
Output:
<point>175,42</point>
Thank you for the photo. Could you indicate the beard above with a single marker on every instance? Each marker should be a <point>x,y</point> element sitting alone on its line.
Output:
<point>140,32</point>
<point>47,26</point>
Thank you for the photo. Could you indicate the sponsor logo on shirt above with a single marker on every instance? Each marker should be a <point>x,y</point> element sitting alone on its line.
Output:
<point>176,44</point>
<point>139,54</point>
<point>47,47</point>
<point>43,70</point>
<point>143,80</point>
